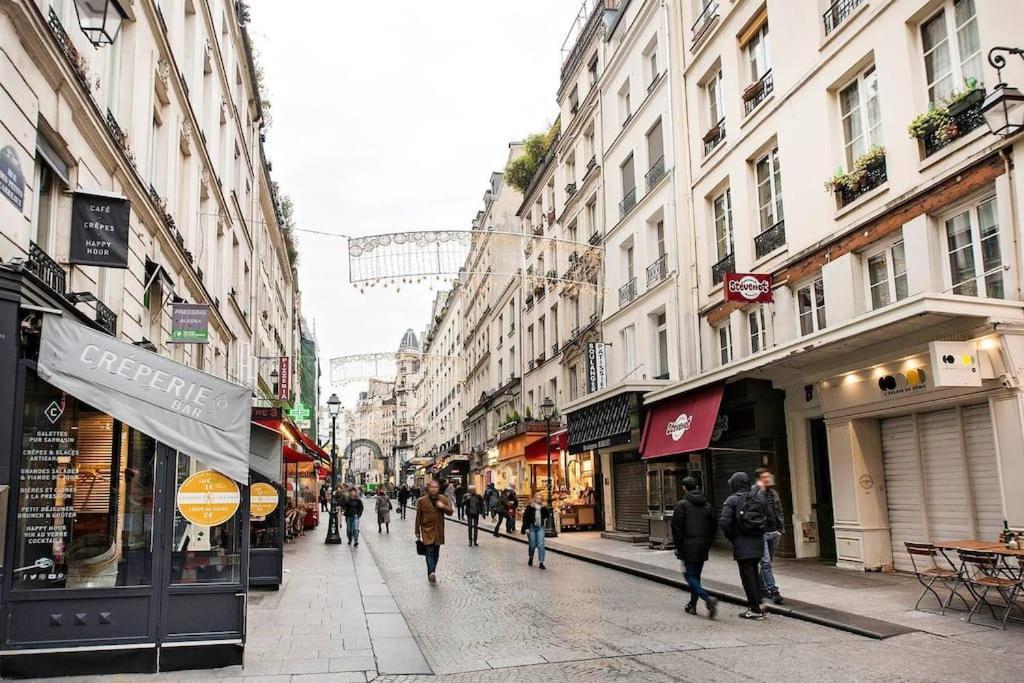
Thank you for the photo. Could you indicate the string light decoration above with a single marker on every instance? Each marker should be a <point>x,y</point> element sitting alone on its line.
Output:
<point>383,366</point>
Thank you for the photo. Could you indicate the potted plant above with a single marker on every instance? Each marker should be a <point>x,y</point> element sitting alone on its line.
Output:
<point>753,90</point>
<point>872,159</point>
<point>927,123</point>
<point>968,98</point>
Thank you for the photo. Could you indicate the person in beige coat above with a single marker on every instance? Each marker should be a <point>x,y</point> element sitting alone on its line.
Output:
<point>430,513</point>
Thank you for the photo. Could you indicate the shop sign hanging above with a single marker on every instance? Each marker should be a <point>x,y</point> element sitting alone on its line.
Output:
<point>12,179</point>
<point>954,364</point>
<point>263,499</point>
<point>748,288</point>
<point>190,323</point>
<point>284,378</point>
<point>597,371</point>
<point>99,230</point>
<point>208,498</point>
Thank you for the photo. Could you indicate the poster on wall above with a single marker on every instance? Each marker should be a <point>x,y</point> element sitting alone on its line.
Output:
<point>597,371</point>
<point>12,178</point>
<point>99,230</point>
<point>190,323</point>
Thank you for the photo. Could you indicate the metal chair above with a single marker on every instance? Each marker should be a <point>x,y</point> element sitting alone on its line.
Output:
<point>983,573</point>
<point>924,559</point>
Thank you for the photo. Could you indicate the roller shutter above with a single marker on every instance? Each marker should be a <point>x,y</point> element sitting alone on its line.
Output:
<point>630,488</point>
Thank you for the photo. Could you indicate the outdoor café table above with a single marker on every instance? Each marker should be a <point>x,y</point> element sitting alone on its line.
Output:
<point>993,547</point>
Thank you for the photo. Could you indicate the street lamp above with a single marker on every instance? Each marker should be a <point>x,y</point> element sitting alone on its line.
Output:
<point>1003,108</point>
<point>547,411</point>
<point>100,20</point>
<point>333,534</point>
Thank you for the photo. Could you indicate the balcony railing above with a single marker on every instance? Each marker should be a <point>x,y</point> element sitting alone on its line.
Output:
<point>628,203</point>
<point>570,190</point>
<point>574,332</point>
<point>529,303</point>
<point>540,293</point>
<point>960,124</point>
<point>541,357</point>
<point>725,265</point>
<point>592,164</point>
<point>838,13</point>
<point>756,92</point>
<point>595,237</point>
<point>554,349</point>
<point>530,364</point>
<point>627,292</point>
<point>657,271</point>
<point>106,318</point>
<point>770,240</point>
<point>714,137</point>
<point>46,269</point>
<point>869,180</point>
<point>656,173</point>
<point>708,15</point>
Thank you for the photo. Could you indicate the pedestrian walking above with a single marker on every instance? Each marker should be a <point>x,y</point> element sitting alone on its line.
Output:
<point>353,511</point>
<point>473,506</point>
<point>403,498</point>
<point>743,522</point>
<point>460,493</point>
<point>694,524</point>
<point>491,500</point>
<point>323,498</point>
<point>500,510</point>
<point>430,512</point>
<point>449,491</point>
<point>764,484</point>
<point>383,511</point>
<point>510,510</point>
<point>535,517</point>
<point>415,495</point>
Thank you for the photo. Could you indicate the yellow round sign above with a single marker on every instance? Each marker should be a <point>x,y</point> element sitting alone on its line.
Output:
<point>262,499</point>
<point>208,498</point>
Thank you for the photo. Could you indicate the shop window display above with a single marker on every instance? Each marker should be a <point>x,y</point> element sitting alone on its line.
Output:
<point>204,554</point>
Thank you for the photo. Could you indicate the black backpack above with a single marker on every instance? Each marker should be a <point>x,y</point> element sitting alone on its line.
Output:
<point>751,514</point>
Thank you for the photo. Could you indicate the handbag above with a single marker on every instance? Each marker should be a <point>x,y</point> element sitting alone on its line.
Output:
<point>421,547</point>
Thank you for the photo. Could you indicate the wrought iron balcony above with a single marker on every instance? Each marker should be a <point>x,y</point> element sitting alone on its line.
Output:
<point>725,265</point>
<point>838,12</point>
<point>592,164</point>
<point>656,173</point>
<point>541,357</point>
<point>570,190</point>
<point>574,332</point>
<point>756,92</point>
<point>46,269</point>
<point>554,349</point>
<point>867,181</point>
<point>704,19</point>
<point>771,239</point>
<point>540,293</point>
<point>960,124</point>
<point>628,203</point>
<point>657,271</point>
<point>595,237</point>
<point>714,137</point>
<point>106,318</point>
<point>530,364</point>
<point>627,292</point>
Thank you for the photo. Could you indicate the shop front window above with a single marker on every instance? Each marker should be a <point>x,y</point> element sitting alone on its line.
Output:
<point>85,498</point>
<point>654,498</point>
<point>201,553</point>
<point>674,487</point>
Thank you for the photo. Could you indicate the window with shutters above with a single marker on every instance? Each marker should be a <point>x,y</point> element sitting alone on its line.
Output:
<point>85,496</point>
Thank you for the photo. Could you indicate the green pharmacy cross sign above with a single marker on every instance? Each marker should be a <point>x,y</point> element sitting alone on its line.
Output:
<point>300,412</point>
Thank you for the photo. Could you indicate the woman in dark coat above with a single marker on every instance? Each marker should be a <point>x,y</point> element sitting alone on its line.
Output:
<point>694,525</point>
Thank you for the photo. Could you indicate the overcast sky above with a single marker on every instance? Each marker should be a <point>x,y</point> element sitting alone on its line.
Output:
<point>390,116</point>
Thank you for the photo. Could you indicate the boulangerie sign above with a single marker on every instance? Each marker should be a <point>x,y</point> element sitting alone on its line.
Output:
<point>99,230</point>
<point>200,415</point>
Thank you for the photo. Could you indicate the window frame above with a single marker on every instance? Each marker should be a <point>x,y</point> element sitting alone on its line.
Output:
<point>714,106</point>
<point>972,210</point>
<point>774,183</point>
<point>871,136</point>
<point>757,327</point>
<point>725,349</point>
<point>759,45</point>
<point>951,44</point>
<point>729,233</point>
<point>817,312</point>
<point>891,276</point>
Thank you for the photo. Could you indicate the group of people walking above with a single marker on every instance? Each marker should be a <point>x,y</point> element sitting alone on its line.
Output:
<point>350,504</point>
<point>752,520</point>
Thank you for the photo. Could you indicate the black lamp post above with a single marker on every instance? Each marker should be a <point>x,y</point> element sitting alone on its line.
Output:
<point>100,20</point>
<point>1003,108</point>
<point>547,411</point>
<point>333,534</point>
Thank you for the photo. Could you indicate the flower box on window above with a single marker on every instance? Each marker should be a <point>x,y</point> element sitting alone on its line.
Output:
<point>753,90</point>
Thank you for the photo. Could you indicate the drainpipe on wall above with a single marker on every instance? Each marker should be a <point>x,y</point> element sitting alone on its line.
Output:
<point>1015,225</point>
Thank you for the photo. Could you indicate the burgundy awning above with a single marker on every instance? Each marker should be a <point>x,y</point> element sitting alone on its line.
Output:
<point>682,424</point>
<point>537,452</point>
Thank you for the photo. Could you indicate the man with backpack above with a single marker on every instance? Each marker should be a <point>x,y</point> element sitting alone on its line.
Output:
<point>744,520</point>
<point>774,526</point>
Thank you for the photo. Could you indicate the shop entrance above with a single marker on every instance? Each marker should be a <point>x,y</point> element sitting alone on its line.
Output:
<point>824,514</point>
<point>630,490</point>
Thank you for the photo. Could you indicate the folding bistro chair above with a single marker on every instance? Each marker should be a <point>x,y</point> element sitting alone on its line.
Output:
<point>924,559</point>
<point>982,574</point>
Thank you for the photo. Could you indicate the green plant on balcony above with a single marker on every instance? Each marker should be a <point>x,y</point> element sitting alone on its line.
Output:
<point>927,123</point>
<point>860,174</point>
<point>940,120</point>
<point>520,171</point>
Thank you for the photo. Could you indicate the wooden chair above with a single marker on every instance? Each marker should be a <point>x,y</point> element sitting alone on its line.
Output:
<point>982,573</point>
<point>924,559</point>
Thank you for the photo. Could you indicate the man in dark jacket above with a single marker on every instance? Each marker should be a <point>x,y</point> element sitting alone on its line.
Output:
<point>774,526</point>
<point>460,494</point>
<point>473,506</point>
<point>510,510</point>
<point>403,498</point>
<point>353,510</point>
<point>743,523</point>
<point>693,531</point>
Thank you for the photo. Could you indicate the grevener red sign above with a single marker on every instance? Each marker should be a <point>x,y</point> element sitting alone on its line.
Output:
<point>748,288</point>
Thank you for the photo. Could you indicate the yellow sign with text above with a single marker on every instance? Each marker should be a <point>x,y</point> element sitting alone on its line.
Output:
<point>208,498</point>
<point>262,499</point>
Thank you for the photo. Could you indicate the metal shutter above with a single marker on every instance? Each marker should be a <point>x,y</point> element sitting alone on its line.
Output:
<point>902,491</point>
<point>981,455</point>
<point>630,488</point>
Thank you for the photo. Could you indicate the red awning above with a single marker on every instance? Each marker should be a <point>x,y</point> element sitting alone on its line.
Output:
<point>295,455</point>
<point>537,452</point>
<point>313,447</point>
<point>682,424</point>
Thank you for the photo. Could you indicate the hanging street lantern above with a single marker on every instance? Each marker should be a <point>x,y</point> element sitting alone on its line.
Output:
<point>100,20</point>
<point>1003,108</point>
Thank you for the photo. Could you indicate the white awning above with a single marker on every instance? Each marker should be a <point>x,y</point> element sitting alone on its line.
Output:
<point>202,416</point>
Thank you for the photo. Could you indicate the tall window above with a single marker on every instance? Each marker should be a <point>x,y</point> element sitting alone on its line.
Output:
<point>887,275</point>
<point>661,345</point>
<point>574,383</point>
<point>810,301</point>
<point>972,243</point>
<point>713,97</point>
<point>952,49</point>
<point>592,70</point>
<point>721,207</point>
<point>628,261</point>
<point>758,330</point>
<point>48,194</point>
<point>592,216</point>
<point>628,177</point>
<point>576,312</point>
<point>725,344</point>
<point>655,145</point>
<point>154,146</point>
<point>113,74</point>
<point>625,106</point>
<point>769,189</point>
<point>758,53</point>
<point>862,117</point>
<point>628,350</point>
<point>659,238</point>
